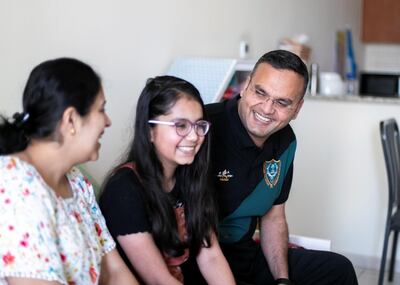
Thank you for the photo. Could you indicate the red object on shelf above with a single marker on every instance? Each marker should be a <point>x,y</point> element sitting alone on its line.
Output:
<point>229,92</point>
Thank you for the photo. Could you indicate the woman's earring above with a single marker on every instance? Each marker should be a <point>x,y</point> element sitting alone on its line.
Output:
<point>72,131</point>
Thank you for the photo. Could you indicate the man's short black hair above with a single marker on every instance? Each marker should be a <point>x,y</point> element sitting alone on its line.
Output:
<point>282,59</point>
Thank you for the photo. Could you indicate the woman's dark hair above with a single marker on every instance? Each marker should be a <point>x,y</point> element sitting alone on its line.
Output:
<point>282,59</point>
<point>157,98</point>
<point>52,87</point>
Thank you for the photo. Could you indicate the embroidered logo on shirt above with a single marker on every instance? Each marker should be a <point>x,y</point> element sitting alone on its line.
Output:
<point>224,175</point>
<point>271,170</point>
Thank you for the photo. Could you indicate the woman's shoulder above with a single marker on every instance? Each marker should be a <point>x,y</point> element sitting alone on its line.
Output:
<point>24,191</point>
<point>21,177</point>
<point>10,164</point>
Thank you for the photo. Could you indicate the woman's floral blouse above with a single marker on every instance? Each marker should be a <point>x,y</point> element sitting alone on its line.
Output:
<point>45,236</point>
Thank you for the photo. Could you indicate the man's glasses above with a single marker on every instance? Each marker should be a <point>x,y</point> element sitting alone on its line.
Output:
<point>283,105</point>
<point>183,126</point>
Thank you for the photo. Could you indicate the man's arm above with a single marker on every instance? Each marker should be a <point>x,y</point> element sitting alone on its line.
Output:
<point>274,240</point>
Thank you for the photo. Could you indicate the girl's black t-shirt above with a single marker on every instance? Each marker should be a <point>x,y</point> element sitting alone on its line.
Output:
<point>123,206</point>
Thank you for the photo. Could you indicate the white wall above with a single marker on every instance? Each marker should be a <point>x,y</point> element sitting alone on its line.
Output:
<point>340,183</point>
<point>127,41</point>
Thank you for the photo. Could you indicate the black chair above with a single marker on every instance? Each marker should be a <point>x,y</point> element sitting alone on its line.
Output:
<point>391,149</point>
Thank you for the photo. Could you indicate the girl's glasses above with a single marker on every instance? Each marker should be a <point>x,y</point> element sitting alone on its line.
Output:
<point>183,126</point>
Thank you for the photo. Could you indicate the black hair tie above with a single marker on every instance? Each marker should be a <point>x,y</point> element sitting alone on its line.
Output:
<point>20,119</point>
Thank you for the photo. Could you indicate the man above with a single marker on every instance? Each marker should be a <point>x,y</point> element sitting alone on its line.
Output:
<point>252,155</point>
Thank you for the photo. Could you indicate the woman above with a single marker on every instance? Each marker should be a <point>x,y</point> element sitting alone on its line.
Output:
<point>51,230</point>
<point>156,202</point>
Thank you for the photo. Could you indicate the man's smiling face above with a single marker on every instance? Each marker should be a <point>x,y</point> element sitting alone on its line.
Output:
<point>271,99</point>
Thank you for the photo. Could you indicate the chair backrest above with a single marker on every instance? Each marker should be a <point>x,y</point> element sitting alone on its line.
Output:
<point>391,147</point>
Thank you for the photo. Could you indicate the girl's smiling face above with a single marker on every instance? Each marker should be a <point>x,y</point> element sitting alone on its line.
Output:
<point>173,150</point>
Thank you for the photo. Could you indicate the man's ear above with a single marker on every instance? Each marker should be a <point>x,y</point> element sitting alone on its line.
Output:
<point>298,108</point>
<point>69,123</point>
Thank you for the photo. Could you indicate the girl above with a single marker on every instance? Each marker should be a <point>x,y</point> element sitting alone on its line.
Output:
<point>51,229</point>
<point>156,202</point>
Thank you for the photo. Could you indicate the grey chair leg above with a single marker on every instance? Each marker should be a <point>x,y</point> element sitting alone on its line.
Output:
<point>393,257</point>
<point>383,259</point>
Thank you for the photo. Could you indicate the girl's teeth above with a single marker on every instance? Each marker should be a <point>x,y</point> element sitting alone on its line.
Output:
<point>186,148</point>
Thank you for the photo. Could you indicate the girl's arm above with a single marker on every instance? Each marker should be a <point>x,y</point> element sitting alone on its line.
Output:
<point>115,271</point>
<point>146,258</point>
<point>213,265</point>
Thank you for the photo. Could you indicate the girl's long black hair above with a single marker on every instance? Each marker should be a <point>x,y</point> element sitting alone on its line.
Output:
<point>157,98</point>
